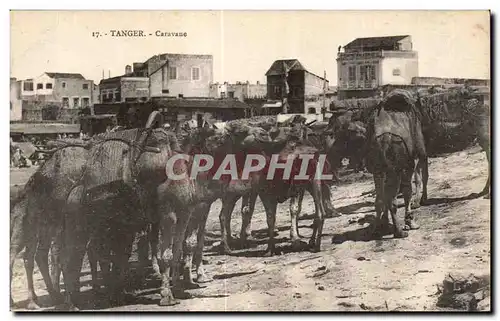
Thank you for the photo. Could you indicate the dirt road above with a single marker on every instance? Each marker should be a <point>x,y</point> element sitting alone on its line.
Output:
<point>351,273</point>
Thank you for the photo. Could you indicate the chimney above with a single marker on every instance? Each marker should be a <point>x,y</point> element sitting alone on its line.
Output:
<point>109,73</point>
<point>258,82</point>
<point>128,69</point>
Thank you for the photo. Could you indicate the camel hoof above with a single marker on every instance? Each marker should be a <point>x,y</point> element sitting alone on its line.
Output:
<point>377,234</point>
<point>331,213</point>
<point>415,205</point>
<point>57,298</point>
<point>245,240</point>
<point>269,252</point>
<point>315,249</point>
<point>168,301</point>
<point>32,306</point>
<point>411,225</point>
<point>298,244</point>
<point>314,246</point>
<point>190,285</point>
<point>181,294</point>
<point>71,308</point>
<point>400,234</point>
<point>202,278</point>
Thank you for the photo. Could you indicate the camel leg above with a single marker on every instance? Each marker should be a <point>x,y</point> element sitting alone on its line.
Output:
<point>330,210</point>
<point>319,219</point>
<point>74,246</point>
<point>270,203</point>
<point>228,203</point>
<point>42,260</point>
<point>93,258</point>
<point>17,240</point>
<point>393,184</point>
<point>55,260</point>
<point>425,180</point>
<point>167,225</point>
<point>486,189</point>
<point>247,209</point>
<point>406,187</point>
<point>29,266</point>
<point>198,254</point>
<point>379,180</point>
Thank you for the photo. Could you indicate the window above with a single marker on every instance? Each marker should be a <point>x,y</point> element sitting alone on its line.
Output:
<point>396,72</point>
<point>85,86</point>
<point>230,94</point>
<point>28,86</point>
<point>39,86</point>
<point>223,94</point>
<point>118,96</point>
<point>367,72</point>
<point>86,102</point>
<point>371,73</point>
<point>48,86</point>
<point>165,91</point>
<point>352,73</point>
<point>63,84</point>
<point>296,92</point>
<point>65,102</point>
<point>172,72</point>
<point>76,102</point>
<point>195,73</point>
<point>10,105</point>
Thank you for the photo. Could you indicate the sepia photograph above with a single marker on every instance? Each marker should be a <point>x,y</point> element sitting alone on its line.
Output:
<point>239,160</point>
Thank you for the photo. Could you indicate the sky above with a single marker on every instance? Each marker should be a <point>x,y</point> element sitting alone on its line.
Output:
<point>244,44</point>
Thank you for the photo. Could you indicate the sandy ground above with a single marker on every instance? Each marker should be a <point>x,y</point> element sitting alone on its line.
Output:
<point>351,273</point>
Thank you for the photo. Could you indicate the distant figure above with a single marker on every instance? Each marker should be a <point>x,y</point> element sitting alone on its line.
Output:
<point>59,136</point>
<point>82,136</point>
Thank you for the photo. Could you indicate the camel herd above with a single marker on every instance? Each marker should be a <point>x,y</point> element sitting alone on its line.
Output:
<point>96,196</point>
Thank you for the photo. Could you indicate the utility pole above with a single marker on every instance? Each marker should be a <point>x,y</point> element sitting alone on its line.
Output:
<point>323,110</point>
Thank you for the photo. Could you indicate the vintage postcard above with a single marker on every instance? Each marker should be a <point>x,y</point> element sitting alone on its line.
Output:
<point>250,161</point>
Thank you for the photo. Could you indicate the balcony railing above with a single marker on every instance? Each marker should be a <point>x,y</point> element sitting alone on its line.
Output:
<point>375,54</point>
<point>359,55</point>
<point>358,85</point>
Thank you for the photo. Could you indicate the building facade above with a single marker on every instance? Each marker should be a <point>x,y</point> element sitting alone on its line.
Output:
<point>291,80</point>
<point>165,75</point>
<point>367,63</point>
<point>68,89</point>
<point>16,103</point>
<point>179,75</point>
<point>124,89</point>
<point>240,90</point>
